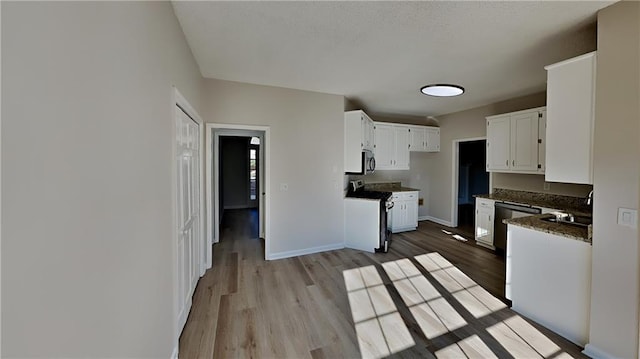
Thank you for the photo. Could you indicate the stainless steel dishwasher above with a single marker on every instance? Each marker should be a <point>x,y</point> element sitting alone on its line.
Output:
<point>508,211</point>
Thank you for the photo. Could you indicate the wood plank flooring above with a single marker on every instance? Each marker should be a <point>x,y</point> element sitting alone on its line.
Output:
<point>299,307</point>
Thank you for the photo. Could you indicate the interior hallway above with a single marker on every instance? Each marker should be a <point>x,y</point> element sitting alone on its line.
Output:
<point>300,307</point>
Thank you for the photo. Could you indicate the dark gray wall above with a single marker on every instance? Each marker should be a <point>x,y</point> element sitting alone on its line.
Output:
<point>234,171</point>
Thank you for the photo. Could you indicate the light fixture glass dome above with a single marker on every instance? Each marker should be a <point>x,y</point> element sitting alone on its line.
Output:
<point>442,90</point>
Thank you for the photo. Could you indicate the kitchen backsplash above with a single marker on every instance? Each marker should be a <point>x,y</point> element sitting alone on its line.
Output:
<point>536,183</point>
<point>553,201</point>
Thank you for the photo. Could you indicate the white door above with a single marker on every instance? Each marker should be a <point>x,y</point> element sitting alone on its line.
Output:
<point>498,143</point>
<point>188,219</point>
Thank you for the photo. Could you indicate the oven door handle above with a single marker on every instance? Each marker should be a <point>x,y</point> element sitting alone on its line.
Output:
<point>391,206</point>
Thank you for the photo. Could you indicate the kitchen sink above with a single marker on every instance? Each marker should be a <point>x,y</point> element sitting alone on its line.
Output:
<point>567,218</point>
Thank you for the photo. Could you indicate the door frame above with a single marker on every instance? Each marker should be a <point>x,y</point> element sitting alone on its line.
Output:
<point>213,132</point>
<point>454,178</point>
<point>178,100</point>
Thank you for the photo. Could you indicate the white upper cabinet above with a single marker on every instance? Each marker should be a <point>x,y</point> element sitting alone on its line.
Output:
<point>542,141</point>
<point>358,136</point>
<point>385,146</point>
<point>402,147</point>
<point>513,142</point>
<point>424,139</point>
<point>498,143</point>
<point>433,139</point>
<point>570,120</point>
<point>391,146</point>
<point>524,142</point>
<point>418,135</point>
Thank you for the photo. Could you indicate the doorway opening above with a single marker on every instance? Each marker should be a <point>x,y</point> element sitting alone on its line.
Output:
<point>238,169</point>
<point>470,178</point>
<point>237,178</point>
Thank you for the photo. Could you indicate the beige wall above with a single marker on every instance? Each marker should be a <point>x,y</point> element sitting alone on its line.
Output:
<point>307,130</point>
<point>87,249</point>
<point>614,288</point>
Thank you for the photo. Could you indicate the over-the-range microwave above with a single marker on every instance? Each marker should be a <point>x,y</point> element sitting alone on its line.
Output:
<point>368,164</point>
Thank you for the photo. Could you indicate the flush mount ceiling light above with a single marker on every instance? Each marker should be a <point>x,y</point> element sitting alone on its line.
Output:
<point>442,90</point>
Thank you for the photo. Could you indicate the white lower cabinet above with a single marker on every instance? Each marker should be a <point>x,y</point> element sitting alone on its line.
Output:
<point>548,280</point>
<point>484,222</point>
<point>404,214</point>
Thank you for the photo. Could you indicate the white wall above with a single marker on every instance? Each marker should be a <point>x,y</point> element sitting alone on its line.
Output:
<point>306,154</point>
<point>87,229</point>
<point>615,277</point>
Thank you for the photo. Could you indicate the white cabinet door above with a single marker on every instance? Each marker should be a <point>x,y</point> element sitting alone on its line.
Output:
<point>424,139</point>
<point>412,213</point>
<point>524,142</point>
<point>418,138</point>
<point>542,140</point>
<point>514,142</point>
<point>484,222</point>
<point>433,139</point>
<point>402,148</point>
<point>498,142</point>
<point>366,132</point>
<point>549,281</point>
<point>398,216</point>
<point>404,215</point>
<point>385,145</point>
<point>570,120</point>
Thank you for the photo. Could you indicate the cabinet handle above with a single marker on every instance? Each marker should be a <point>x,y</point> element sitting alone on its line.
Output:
<point>513,163</point>
<point>507,163</point>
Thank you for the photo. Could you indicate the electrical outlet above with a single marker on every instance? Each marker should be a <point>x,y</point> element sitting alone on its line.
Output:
<point>628,217</point>
<point>420,201</point>
<point>547,186</point>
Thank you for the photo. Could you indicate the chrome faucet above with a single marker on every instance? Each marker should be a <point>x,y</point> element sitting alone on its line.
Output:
<point>589,199</point>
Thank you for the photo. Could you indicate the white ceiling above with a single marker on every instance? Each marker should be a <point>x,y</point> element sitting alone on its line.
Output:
<point>379,54</point>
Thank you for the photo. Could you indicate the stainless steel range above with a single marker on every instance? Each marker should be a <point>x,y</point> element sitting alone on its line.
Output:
<point>366,211</point>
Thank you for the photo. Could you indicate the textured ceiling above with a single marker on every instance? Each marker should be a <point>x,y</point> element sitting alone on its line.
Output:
<point>379,54</point>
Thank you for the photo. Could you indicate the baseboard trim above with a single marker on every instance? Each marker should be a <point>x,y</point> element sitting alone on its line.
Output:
<point>174,354</point>
<point>302,252</point>
<point>596,353</point>
<point>436,220</point>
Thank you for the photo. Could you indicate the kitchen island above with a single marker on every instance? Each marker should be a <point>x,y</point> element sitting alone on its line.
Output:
<point>548,277</point>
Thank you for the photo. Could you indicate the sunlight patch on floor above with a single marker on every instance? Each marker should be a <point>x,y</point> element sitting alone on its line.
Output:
<point>381,331</point>
<point>434,314</point>
<point>466,291</point>
<point>379,327</point>
<point>470,347</point>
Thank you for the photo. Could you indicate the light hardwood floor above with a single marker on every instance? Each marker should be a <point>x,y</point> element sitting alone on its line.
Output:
<point>300,307</point>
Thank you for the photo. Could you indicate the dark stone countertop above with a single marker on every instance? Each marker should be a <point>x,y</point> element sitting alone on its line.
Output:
<point>563,203</point>
<point>535,222</point>
<point>389,187</point>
